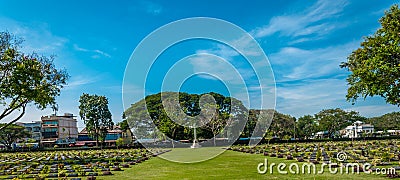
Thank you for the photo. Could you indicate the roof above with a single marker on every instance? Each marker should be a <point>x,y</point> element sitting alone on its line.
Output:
<point>115,130</point>
<point>322,132</point>
<point>392,131</point>
<point>367,125</point>
<point>48,141</point>
<point>84,142</point>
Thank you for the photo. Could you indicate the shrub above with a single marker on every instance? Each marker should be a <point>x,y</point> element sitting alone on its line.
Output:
<point>106,173</point>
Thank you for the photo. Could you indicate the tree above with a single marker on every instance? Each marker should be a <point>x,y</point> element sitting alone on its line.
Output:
<point>268,136</point>
<point>251,123</point>
<point>375,66</point>
<point>96,116</point>
<point>282,125</point>
<point>306,126</point>
<point>26,78</point>
<point>150,113</point>
<point>386,122</point>
<point>123,125</point>
<point>217,122</point>
<point>333,120</point>
<point>11,134</point>
<point>258,125</point>
<point>120,142</point>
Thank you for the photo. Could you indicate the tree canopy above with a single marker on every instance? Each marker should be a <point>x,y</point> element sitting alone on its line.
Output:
<point>306,126</point>
<point>93,110</point>
<point>375,66</point>
<point>282,125</point>
<point>333,120</point>
<point>26,78</point>
<point>123,125</point>
<point>143,114</point>
<point>11,134</point>
<point>389,121</point>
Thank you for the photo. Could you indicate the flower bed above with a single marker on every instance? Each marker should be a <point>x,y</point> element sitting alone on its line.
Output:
<point>382,153</point>
<point>73,163</point>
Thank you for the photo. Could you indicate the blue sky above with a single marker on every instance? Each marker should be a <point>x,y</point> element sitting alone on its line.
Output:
<point>305,41</point>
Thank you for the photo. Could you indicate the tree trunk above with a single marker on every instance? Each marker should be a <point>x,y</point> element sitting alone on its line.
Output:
<point>16,119</point>
<point>97,140</point>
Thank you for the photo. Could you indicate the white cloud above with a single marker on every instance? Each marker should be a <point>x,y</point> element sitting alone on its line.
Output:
<point>295,63</point>
<point>96,52</point>
<point>80,80</point>
<point>309,79</point>
<point>219,67</point>
<point>311,96</point>
<point>38,38</point>
<point>307,22</point>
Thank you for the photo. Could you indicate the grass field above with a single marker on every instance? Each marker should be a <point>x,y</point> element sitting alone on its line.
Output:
<point>189,155</point>
<point>228,165</point>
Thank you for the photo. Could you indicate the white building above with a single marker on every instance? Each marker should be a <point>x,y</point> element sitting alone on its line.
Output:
<point>357,129</point>
<point>393,132</point>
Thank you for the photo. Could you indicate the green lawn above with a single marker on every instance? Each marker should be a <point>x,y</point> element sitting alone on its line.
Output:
<point>229,165</point>
<point>189,155</point>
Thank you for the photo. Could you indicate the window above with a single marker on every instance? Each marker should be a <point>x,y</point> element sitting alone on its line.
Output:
<point>51,122</point>
<point>36,129</point>
<point>50,129</point>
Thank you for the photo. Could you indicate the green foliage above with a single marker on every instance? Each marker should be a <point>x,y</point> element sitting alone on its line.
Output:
<point>11,134</point>
<point>334,120</point>
<point>121,142</point>
<point>123,125</point>
<point>26,78</point>
<point>282,125</point>
<point>375,66</point>
<point>96,115</point>
<point>385,156</point>
<point>30,140</point>
<point>151,110</point>
<point>216,124</point>
<point>386,122</point>
<point>251,123</point>
<point>306,126</point>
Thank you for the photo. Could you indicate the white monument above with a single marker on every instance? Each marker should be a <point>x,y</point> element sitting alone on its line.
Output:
<point>195,142</point>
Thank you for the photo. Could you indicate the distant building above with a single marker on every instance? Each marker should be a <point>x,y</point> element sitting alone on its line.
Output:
<point>393,132</point>
<point>34,128</point>
<point>84,139</point>
<point>60,130</point>
<point>357,129</point>
<point>321,135</point>
<point>390,132</point>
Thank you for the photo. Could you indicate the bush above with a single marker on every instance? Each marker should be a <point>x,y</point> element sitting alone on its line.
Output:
<point>106,173</point>
<point>91,178</point>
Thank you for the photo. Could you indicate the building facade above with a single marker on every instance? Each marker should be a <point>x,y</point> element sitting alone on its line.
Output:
<point>357,129</point>
<point>59,129</point>
<point>84,139</point>
<point>34,128</point>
